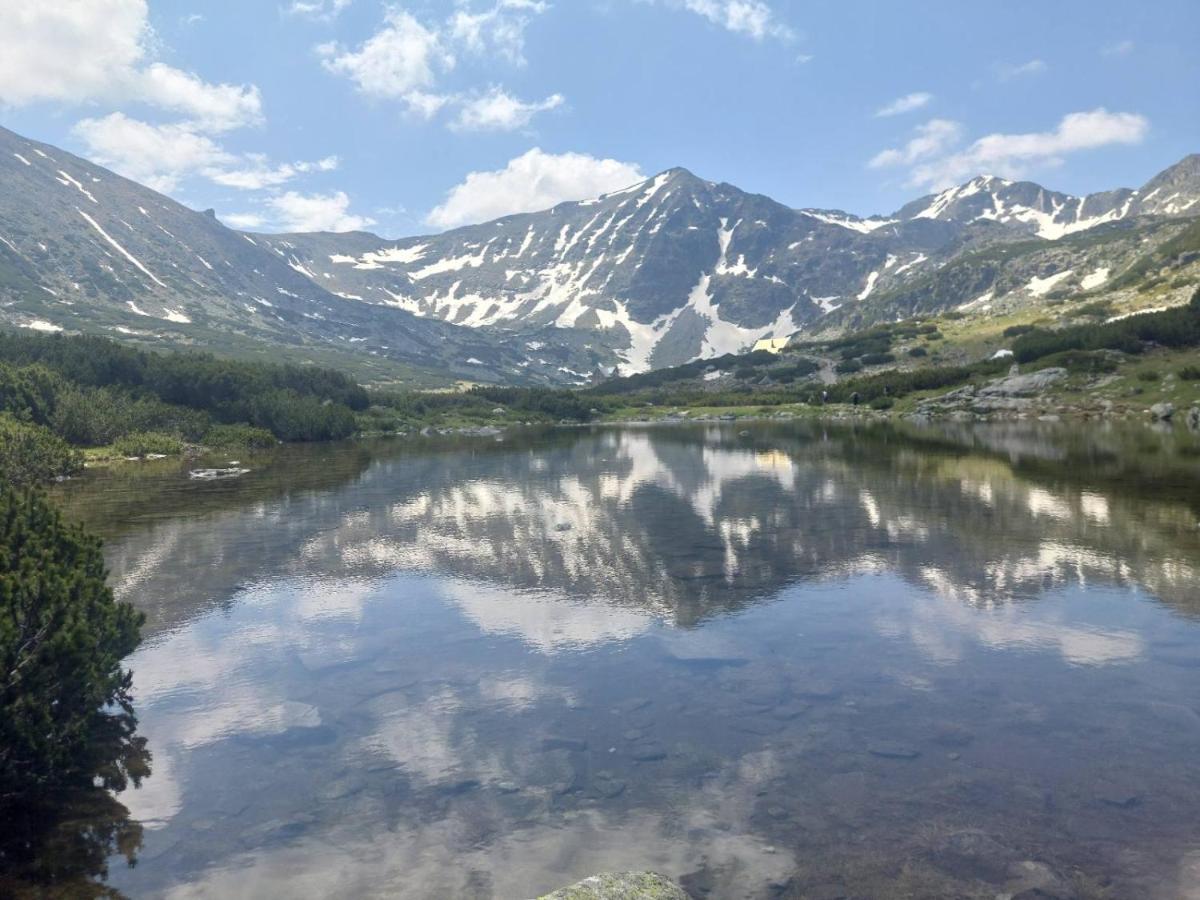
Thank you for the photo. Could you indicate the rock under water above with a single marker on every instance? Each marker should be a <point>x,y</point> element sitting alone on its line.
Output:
<point>621,886</point>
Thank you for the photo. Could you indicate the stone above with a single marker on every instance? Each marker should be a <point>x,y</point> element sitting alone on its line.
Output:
<point>606,785</point>
<point>1031,878</point>
<point>575,745</point>
<point>1024,385</point>
<point>621,886</point>
<point>1162,412</point>
<point>953,735</point>
<point>890,750</point>
<point>1193,418</point>
<point>972,854</point>
<point>1115,796</point>
<point>648,751</point>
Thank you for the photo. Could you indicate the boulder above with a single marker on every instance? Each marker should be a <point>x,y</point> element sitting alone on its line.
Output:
<point>1162,412</point>
<point>1024,385</point>
<point>1193,418</point>
<point>621,886</point>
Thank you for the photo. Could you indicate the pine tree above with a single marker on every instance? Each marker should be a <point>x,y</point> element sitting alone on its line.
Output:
<point>66,714</point>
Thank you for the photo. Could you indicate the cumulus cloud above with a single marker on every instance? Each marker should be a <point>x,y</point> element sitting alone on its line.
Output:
<point>258,172</point>
<point>244,221</point>
<point>534,181</point>
<point>401,58</point>
<point>499,30</point>
<point>408,60</point>
<point>160,156</point>
<point>497,110</point>
<point>293,211</point>
<point>102,52</point>
<point>930,139</point>
<point>77,51</point>
<point>934,166</point>
<point>907,103</point>
<point>753,18</point>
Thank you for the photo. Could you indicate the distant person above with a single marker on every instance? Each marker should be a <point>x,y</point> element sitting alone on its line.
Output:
<point>854,398</point>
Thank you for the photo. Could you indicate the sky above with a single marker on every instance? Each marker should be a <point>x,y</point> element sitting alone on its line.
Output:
<point>412,117</point>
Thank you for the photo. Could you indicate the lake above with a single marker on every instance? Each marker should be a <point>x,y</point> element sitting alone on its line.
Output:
<point>770,660</point>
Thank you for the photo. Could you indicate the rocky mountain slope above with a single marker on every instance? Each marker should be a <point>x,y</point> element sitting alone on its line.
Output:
<point>82,249</point>
<point>677,268</point>
<point>668,270</point>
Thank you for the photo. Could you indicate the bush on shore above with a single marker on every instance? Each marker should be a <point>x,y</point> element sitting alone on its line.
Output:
<point>30,454</point>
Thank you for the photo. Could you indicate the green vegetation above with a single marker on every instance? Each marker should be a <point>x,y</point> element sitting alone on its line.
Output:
<point>30,453</point>
<point>245,437</point>
<point>1178,327</point>
<point>148,443</point>
<point>392,410</point>
<point>1175,251</point>
<point>92,392</point>
<point>65,701</point>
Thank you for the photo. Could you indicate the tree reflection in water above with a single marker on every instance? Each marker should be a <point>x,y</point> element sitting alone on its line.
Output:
<point>58,843</point>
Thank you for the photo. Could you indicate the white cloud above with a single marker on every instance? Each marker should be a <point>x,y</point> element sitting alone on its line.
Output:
<point>77,51</point>
<point>1009,155</point>
<point>320,10</point>
<point>315,212</point>
<point>932,138</point>
<point>1120,48</point>
<point>160,156</point>
<point>1032,67</point>
<point>259,173</point>
<point>407,60</point>
<point>907,103</point>
<point>753,18</point>
<point>498,110</point>
<point>244,221</point>
<point>531,182</point>
<point>400,59</point>
<point>499,30</point>
<point>70,50</point>
<point>211,107</point>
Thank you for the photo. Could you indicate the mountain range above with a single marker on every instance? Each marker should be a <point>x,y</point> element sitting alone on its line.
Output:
<point>668,270</point>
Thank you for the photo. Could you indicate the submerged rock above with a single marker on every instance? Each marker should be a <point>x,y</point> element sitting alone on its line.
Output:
<point>621,886</point>
<point>890,750</point>
<point>215,474</point>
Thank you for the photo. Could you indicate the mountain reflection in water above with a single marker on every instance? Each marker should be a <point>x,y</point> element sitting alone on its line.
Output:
<point>806,659</point>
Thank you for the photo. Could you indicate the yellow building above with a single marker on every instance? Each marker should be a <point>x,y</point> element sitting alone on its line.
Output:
<point>772,345</point>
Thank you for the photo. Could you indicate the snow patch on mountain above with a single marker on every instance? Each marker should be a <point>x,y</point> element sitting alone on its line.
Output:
<point>1040,287</point>
<point>862,226</point>
<point>1094,279</point>
<point>129,256</point>
<point>870,286</point>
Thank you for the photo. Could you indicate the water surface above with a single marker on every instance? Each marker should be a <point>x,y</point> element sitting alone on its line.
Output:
<point>788,661</point>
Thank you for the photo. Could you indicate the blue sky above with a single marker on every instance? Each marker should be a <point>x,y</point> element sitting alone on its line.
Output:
<point>409,117</point>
